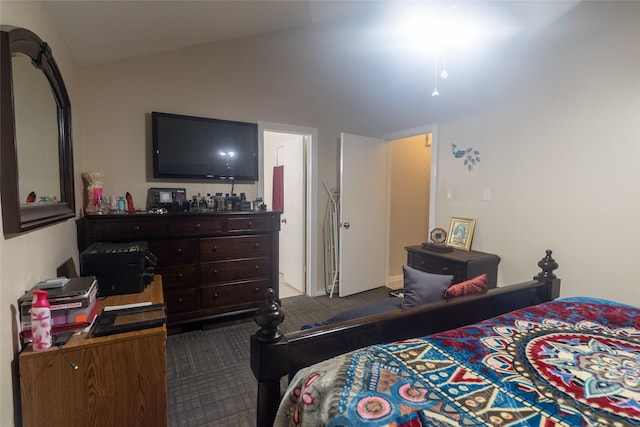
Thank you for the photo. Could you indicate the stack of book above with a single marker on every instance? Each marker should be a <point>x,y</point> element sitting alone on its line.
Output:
<point>73,305</point>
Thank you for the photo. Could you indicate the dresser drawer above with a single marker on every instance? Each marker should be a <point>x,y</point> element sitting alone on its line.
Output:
<point>235,269</point>
<point>253,223</point>
<point>196,226</point>
<point>233,294</point>
<point>234,247</point>
<point>178,276</point>
<point>178,251</point>
<point>436,266</point>
<point>134,229</point>
<point>94,230</point>
<point>418,261</point>
<point>180,300</point>
<point>442,267</point>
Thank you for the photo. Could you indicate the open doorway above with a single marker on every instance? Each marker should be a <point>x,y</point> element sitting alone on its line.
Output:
<point>412,194</point>
<point>410,170</point>
<point>362,265</point>
<point>291,150</point>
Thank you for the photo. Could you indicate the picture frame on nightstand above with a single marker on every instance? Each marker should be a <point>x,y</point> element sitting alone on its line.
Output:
<point>461,233</point>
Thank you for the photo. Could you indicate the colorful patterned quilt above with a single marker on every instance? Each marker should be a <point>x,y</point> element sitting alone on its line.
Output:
<point>570,362</point>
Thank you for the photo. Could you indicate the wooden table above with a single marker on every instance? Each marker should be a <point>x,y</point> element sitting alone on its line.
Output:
<point>120,379</point>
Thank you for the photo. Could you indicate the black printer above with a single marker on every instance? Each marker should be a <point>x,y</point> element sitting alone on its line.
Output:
<point>121,268</point>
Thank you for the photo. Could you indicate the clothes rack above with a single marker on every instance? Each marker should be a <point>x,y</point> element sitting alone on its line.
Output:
<point>331,242</point>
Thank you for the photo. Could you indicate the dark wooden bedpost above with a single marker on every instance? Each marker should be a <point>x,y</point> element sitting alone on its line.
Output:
<point>547,265</point>
<point>269,359</point>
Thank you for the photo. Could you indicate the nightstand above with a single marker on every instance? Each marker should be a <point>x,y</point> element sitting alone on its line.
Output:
<point>463,265</point>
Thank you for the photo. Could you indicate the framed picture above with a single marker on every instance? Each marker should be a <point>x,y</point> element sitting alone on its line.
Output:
<point>461,233</point>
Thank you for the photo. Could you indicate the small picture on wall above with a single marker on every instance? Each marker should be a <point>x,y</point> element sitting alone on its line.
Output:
<point>461,233</point>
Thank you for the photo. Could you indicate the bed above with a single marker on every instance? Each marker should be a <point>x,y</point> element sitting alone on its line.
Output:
<point>274,355</point>
<point>570,362</point>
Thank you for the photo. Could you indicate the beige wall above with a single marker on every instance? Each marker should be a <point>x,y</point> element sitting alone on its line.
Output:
<point>29,258</point>
<point>561,156</point>
<point>409,204</point>
<point>558,135</point>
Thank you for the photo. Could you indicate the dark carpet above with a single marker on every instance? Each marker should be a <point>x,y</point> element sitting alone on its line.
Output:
<point>209,379</point>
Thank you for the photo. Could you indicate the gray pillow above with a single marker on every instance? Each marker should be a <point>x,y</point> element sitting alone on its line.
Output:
<point>422,288</point>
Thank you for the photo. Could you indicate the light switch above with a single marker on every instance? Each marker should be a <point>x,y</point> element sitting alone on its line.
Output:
<point>486,194</point>
<point>449,193</point>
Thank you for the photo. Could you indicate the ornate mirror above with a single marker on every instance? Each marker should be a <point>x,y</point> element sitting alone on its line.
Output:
<point>36,154</point>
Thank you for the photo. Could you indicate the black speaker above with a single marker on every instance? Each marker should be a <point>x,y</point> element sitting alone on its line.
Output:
<point>121,268</point>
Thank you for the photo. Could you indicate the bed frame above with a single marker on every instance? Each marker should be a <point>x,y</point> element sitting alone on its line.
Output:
<point>274,355</point>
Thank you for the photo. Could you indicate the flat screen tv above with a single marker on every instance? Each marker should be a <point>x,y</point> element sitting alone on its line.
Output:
<point>205,149</point>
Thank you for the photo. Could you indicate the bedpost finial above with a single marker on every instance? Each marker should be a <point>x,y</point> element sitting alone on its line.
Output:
<point>547,264</point>
<point>268,317</point>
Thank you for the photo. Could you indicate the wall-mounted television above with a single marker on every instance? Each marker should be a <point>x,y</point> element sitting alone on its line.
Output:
<point>187,147</point>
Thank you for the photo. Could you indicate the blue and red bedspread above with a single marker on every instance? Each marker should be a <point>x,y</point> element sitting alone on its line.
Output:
<point>569,362</point>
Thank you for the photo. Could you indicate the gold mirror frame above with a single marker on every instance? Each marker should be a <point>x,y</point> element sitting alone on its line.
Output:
<point>16,217</point>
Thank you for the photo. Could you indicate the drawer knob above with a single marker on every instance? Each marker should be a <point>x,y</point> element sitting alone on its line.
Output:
<point>179,276</point>
<point>214,272</point>
<point>196,226</point>
<point>136,228</point>
<point>250,224</point>
<point>257,245</point>
<point>257,290</point>
<point>257,267</point>
<point>179,250</point>
<point>179,300</point>
<point>214,248</point>
<point>215,295</point>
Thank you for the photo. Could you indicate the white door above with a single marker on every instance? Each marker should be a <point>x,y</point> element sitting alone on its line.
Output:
<point>362,213</point>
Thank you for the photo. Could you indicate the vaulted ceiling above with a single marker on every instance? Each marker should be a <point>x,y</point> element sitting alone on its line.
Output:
<point>101,31</point>
<point>348,46</point>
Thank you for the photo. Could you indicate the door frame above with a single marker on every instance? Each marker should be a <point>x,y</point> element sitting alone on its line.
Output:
<point>311,204</point>
<point>433,185</point>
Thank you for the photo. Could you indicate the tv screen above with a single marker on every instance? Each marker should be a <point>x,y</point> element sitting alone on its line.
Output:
<point>201,148</point>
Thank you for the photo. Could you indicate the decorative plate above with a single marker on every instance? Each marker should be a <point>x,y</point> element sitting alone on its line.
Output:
<point>438,235</point>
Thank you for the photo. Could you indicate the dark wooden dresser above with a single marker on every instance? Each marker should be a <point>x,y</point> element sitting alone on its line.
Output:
<point>463,265</point>
<point>212,264</point>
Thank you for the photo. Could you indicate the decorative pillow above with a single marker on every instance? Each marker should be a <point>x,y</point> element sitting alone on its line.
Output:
<point>421,288</point>
<point>472,286</point>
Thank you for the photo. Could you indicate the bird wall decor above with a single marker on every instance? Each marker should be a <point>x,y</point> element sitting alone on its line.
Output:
<point>470,156</point>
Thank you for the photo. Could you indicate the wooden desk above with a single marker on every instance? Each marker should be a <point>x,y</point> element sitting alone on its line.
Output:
<point>120,381</point>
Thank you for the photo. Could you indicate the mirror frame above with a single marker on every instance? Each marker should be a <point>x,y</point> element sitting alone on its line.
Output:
<point>17,218</point>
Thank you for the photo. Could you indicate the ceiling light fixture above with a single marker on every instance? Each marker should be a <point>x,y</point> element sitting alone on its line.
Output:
<point>444,74</point>
<point>435,80</point>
